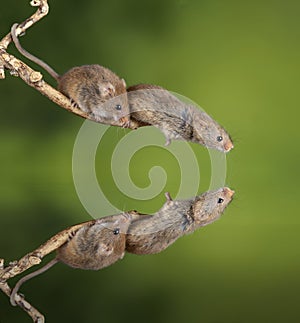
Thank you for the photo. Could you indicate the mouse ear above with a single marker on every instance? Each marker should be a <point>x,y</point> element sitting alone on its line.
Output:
<point>104,249</point>
<point>107,90</point>
<point>124,83</point>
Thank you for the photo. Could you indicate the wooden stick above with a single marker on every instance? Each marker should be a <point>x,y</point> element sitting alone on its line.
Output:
<point>28,308</point>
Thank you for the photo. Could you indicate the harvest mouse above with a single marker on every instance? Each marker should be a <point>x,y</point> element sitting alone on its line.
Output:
<point>151,234</point>
<point>153,105</point>
<point>97,244</point>
<point>93,89</point>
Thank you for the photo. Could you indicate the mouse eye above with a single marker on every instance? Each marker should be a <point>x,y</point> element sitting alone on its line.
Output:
<point>219,138</point>
<point>118,107</point>
<point>220,200</point>
<point>116,231</point>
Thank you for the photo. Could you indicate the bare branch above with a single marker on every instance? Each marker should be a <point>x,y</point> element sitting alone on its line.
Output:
<point>29,260</point>
<point>42,11</point>
<point>28,308</point>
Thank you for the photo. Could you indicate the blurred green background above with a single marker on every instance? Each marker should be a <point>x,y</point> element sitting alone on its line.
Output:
<point>239,60</point>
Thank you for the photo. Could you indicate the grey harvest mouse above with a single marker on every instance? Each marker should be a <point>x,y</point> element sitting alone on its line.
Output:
<point>151,234</point>
<point>153,105</point>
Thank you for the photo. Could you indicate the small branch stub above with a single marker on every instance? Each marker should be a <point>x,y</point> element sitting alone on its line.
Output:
<point>35,3</point>
<point>2,74</point>
<point>35,77</point>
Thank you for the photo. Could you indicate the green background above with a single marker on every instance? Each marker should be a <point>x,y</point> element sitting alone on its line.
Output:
<point>239,60</point>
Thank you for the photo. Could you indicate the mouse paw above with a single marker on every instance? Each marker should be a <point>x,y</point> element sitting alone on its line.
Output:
<point>125,122</point>
<point>71,235</point>
<point>74,104</point>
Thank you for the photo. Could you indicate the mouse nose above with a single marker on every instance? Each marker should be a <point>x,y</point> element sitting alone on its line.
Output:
<point>228,146</point>
<point>228,192</point>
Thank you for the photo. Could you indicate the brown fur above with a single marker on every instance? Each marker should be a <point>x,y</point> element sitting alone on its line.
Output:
<point>97,91</point>
<point>96,245</point>
<point>93,89</point>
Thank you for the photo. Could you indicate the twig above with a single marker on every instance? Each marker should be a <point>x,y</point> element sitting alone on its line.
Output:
<point>42,11</point>
<point>28,308</point>
<point>29,260</point>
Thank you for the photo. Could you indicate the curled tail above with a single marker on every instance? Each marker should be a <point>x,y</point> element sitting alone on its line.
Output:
<point>29,276</point>
<point>34,59</point>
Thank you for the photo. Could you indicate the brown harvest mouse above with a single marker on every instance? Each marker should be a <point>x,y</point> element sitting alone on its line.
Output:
<point>94,89</point>
<point>151,234</point>
<point>153,105</point>
<point>97,244</point>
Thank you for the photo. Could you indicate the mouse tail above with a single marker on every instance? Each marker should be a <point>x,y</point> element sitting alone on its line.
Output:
<point>31,57</point>
<point>29,276</point>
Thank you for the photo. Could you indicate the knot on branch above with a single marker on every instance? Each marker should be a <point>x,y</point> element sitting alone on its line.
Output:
<point>35,3</point>
<point>44,8</point>
<point>35,77</point>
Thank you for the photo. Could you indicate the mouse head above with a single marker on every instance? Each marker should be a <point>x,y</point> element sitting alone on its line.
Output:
<point>116,224</point>
<point>90,87</point>
<point>97,244</point>
<point>209,206</point>
<point>113,236</point>
<point>109,101</point>
<point>114,110</point>
<point>211,133</point>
